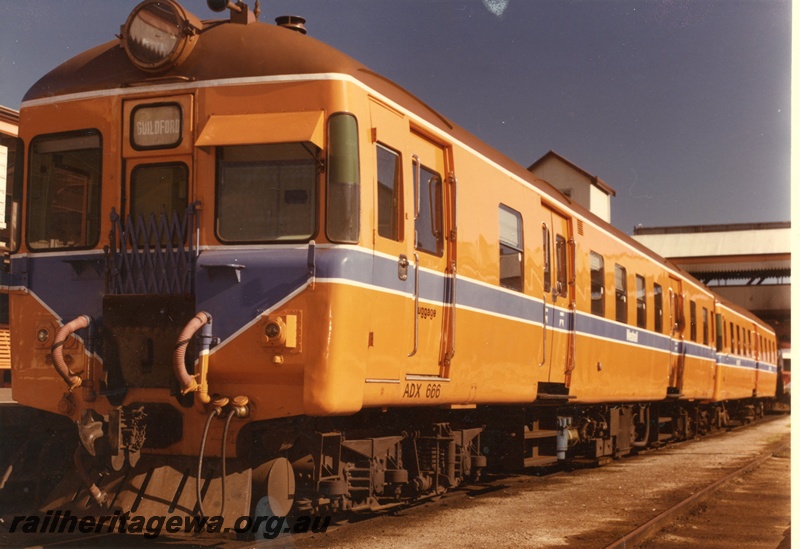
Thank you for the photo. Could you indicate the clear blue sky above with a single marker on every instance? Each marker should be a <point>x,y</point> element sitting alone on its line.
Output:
<point>681,105</point>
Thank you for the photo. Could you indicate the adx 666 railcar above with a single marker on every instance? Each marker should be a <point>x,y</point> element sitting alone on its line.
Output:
<point>260,277</point>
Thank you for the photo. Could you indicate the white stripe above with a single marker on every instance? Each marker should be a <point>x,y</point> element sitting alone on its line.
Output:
<point>330,77</point>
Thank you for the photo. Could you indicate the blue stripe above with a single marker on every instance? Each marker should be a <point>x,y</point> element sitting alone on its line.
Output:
<point>747,363</point>
<point>269,275</point>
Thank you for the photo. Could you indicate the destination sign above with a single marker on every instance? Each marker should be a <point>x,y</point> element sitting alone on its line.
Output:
<point>156,127</point>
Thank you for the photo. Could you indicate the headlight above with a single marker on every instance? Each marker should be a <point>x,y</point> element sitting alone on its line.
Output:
<point>42,335</point>
<point>159,34</point>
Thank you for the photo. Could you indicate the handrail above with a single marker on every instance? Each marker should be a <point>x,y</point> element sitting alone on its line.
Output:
<point>547,260</point>
<point>416,304</point>
<point>417,176</point>
<point>452,352</point>
<point>544,330</point>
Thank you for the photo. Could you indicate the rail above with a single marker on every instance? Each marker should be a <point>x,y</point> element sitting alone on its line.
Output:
<point>654,525</point>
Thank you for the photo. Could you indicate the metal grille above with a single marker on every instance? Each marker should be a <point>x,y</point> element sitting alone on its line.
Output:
<point>152,254</point>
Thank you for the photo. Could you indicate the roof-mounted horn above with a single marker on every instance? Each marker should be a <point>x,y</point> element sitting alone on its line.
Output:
<point>240,13</point>
<point>292,22</point>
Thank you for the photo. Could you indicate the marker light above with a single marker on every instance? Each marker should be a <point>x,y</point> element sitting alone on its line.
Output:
<point>159,34</point>
<point>273,330</point>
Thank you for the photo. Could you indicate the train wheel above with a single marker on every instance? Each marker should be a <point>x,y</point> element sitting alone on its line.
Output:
<point>273,488</point>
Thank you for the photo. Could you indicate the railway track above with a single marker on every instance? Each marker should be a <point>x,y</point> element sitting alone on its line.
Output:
<point>641,534</point>
<point>514,510</point>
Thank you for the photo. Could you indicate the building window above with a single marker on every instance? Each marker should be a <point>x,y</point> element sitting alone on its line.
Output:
<point>641,302</point>
<point>511,251</point>
<point>598,274</point>
<point>621,290</point>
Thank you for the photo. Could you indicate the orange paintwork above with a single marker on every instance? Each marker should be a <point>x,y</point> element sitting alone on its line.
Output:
<point>354,338</point>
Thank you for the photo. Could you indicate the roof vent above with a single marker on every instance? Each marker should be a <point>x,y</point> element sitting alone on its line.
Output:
<point>292,22</point>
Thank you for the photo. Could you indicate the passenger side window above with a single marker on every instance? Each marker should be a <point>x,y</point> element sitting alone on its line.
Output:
<point>621,287</point>
<point>390,195</point>
<point>705,326</point>
<point>511,250</point>
<point>598,273</point>
<point>658,305</point>
<point>738,341</point>
<point>693,321</point>
<point>641,302</point>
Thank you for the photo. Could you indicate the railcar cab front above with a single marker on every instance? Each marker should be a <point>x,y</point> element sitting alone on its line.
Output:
<point>149,196</point>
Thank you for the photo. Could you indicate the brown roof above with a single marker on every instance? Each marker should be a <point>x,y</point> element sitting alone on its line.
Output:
<point>605,187</point>
<point>9,115</point>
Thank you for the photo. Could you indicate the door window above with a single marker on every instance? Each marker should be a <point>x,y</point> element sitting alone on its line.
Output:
<point>428,199</point>
<point>561,265</point>
<point>157,189</point>
<point>621,287</point>
<point>658,305</point>
<point>390,194</point>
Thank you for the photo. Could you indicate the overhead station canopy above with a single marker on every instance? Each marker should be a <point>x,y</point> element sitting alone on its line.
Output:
<point>755,252</point>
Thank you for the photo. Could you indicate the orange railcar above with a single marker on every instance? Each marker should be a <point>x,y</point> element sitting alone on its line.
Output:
<point>275,256</point>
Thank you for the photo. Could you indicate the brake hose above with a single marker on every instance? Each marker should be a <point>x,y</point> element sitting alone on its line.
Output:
<point>215,412</point>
